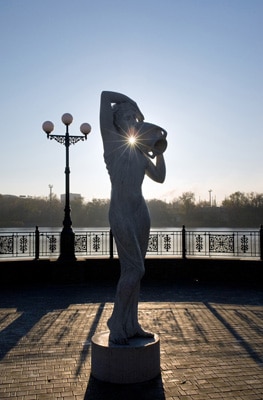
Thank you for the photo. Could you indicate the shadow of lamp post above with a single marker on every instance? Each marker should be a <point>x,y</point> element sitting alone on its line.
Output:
<point>67,238</point>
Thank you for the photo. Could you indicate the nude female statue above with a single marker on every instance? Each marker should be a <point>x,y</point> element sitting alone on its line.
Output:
<point>127,161</point>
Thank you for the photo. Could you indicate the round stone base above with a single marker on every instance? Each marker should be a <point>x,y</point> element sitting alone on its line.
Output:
<point>137,362</point>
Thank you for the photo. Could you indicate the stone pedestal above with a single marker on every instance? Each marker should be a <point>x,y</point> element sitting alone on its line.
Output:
<point>137,362</point>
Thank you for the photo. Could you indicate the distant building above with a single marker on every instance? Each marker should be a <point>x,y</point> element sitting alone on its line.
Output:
<point>72,196</point>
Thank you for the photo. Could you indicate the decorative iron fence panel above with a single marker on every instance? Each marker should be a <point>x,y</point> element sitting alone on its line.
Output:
<point>49,244</point>
<point>15,244</point>
<point>165,243</point>
<point>95,243</point>
<point>223,243</point>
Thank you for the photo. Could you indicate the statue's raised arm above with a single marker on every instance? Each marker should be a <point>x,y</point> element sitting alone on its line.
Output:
<point>109,104</point>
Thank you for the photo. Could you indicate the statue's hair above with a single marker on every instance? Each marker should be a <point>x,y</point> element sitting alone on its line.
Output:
<point>120,108</point>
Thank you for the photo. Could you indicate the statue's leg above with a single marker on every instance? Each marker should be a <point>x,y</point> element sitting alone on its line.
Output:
<point>124,320</point>
<point>133,328</point>
<point>143,238</point>
<point>132,243</point>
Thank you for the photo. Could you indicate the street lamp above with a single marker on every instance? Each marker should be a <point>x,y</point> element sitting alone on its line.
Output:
<point>67,238</point>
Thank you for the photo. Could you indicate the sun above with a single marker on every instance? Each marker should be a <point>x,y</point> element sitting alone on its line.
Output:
<point>132,140</point>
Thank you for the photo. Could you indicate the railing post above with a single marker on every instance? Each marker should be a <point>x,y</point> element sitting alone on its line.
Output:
<point>36,243</point>
<point>111,245</point>
<point>183,243</point>
<point>261,242</point>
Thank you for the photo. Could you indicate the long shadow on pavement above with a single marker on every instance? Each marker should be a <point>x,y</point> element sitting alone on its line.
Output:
<point>29,304</point>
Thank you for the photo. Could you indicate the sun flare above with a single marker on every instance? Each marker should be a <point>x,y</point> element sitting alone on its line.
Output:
<point>132,140</point>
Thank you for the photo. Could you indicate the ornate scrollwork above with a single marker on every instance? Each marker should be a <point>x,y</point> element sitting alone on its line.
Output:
<point>76,139</point>
<point>244,243</point>
<point>96,243</point>
<point>153,243</point>
<point>221,243</point>
<point>81,243</point>
<point>23,241</point>
<point>199,243</point>
<point>6,244</point>
<point>167,240</point>
<point>62,139</point>
<point>52,243</point>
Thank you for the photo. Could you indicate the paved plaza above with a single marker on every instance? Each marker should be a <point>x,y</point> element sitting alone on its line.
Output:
<point>211,341</point>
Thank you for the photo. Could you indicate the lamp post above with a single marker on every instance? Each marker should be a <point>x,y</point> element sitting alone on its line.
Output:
<point>67,238</point>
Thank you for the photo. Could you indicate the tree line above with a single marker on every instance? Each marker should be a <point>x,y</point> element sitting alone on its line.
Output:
<point>237,210</point>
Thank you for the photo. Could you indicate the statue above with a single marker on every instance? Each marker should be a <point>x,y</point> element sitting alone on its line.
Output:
<point>129,145</point>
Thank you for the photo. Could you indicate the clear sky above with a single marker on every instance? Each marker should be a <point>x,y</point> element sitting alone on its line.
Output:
<point>193,66</point>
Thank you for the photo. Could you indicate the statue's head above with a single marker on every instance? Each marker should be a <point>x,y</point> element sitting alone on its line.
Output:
<point>124,116</point>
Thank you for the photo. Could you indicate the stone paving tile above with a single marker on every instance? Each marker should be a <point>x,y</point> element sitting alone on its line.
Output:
<point>211,342</point>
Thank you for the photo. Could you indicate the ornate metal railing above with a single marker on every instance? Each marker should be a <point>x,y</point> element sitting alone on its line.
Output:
<point>166,243</point>
<point>15,244</point>
<point>216,244</point>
